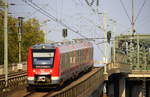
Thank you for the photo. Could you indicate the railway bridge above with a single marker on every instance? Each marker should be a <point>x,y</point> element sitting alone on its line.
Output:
<point>127,75</point>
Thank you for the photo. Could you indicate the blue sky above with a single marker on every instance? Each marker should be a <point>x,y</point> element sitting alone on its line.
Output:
<point>79,16</point>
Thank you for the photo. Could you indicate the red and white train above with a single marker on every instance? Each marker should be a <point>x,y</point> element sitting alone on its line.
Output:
<point>53,64</point>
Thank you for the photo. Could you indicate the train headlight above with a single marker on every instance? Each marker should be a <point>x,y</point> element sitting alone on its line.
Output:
<point>43,47</point>
<point>30,78</point>
<point>51,71</point>
<point>33,70</point>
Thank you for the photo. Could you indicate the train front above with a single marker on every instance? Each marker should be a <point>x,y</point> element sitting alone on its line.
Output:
<point>43,65</point>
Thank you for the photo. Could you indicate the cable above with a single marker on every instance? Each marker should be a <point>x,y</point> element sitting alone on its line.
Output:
<point>42,11</point>
<point>90,4</point>
<point>140,10</point>
<point>31,14</point>
<point>93,10</point>
<point>54,19</point>
<point>125,10</point>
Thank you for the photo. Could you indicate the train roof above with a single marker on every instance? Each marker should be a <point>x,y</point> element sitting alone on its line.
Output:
<point>64,46</point>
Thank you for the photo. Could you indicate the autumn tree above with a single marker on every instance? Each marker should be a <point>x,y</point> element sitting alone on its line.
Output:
<point>32,34</point>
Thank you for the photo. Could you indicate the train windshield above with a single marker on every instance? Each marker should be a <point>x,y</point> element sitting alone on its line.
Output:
<point>43,58</point>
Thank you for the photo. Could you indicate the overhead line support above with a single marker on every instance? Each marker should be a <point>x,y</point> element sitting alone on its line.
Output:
<point>6,42</point>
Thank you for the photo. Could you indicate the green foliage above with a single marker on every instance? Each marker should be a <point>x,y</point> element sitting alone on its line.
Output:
<point>30,36</point>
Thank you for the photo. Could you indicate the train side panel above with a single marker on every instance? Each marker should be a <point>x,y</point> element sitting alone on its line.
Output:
<point>55,77</point>
<point>76,61</point>
<point>30,73</point>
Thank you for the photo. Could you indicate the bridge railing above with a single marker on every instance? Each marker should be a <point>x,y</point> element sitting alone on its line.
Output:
<point>133,50</point>
<point>85,87</point>
<point>15,80</point>
<point>118,68</point>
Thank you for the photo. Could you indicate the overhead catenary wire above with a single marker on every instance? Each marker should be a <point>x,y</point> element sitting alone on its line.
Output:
<point>54,19</point>
<point>89,3</point>
<point>96,12</point>
<point>36,7</point>
<point>93,10</point>
<point>42,11</point>
<point>138,14</point>
<point>125,10</point>
<point>31,14</point>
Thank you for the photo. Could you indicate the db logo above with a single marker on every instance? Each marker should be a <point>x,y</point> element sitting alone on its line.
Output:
<point>42,71</point>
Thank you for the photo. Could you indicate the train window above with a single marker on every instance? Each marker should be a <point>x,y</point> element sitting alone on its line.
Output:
<point>79,56</point>
<point>62,62</point>
<point>74,59</point>
<point>72,55</point>
<point>91,53</point>
<point>82,56</point>
<point>85,53</point>
<point>71,59</point>
<point>43,59</point>
<point>64,59</point>
<point>67,59</point>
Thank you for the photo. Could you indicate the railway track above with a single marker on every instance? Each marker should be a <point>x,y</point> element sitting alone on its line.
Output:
<point>13,74</point>
<point>38,94</point>
<point>73,89</point>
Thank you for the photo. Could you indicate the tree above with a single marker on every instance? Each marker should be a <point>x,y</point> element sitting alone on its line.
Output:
<point>31,35</point>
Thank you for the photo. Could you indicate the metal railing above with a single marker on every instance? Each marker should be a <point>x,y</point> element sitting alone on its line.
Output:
<point>84,88</point>
<point>16,80</point>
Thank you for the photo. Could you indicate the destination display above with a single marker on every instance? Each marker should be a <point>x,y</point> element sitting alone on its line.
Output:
<point>51,54</point>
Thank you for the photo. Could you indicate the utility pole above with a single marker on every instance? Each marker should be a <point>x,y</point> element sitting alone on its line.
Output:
<point>20,19</point>
<point>133,24</point>
<point>133,31</point>
<point>114,42</point>
<point>138,52</point>
<point>6,42</point>
<point>45,37</point>
<point>105,42</point>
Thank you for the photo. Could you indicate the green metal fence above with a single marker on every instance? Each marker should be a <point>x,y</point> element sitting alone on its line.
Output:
<point>133,50</point>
